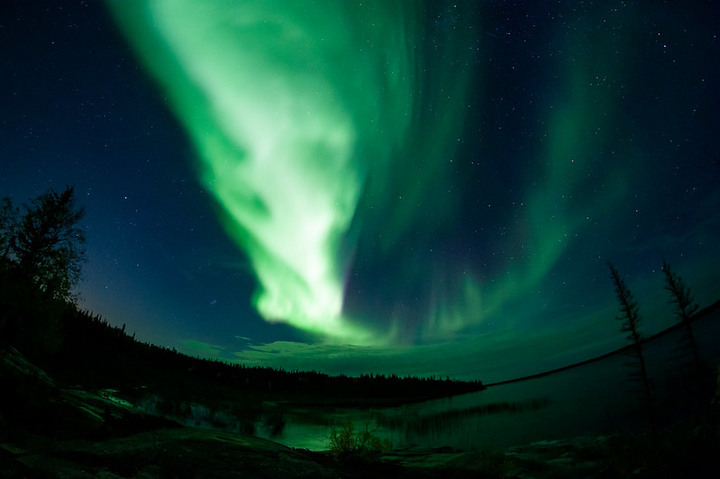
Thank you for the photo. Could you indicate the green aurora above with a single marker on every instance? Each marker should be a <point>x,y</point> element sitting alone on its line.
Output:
<point>292,131</point>
<point>327,132</point>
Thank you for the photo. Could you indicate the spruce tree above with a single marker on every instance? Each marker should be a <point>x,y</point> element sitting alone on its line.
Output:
<point>8,228</point>
<point>47,244</point>
<point>630,318</point>
<point>41,253</point>
<point>685,306</point>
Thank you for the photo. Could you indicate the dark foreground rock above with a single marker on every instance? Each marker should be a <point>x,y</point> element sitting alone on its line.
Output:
<point>49,431</point>
<point>180,453</point>
<point>203,453</point>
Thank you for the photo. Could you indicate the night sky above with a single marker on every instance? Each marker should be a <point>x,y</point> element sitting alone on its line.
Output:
<point>427,188</point>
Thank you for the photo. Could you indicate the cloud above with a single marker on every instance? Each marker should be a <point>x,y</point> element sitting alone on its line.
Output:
<point>193,347</point>
<point>491,357</point>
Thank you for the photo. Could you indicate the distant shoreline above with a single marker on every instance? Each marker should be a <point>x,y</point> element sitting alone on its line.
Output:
<point>703,312</point>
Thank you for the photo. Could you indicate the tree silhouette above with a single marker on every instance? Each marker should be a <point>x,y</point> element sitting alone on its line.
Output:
<point>41,252</point>
<point>685,306</point>
<point>46,244</point>
<point>630,318</point>
<point>8,227</point>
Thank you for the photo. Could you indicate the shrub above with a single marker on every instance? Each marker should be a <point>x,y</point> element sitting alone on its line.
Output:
<point>347,443</point>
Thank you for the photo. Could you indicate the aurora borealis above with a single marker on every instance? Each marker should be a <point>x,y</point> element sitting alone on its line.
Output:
<point>410,187</point>
<point>290,129</point>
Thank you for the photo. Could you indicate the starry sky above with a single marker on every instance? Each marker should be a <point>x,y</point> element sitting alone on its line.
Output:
<point>426,188</point>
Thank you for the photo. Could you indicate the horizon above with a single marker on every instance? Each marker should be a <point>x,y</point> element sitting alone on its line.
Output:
<point>699,315</point>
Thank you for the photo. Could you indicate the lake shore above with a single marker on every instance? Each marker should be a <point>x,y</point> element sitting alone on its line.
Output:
<point>51,429</point>
<point>193,452</point>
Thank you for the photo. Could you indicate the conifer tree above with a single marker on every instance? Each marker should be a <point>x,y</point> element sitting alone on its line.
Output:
<point>630,318</point>
<point>47,243</point>
<point>41,253</point>
<point>8,227</point>
<point>685,306</point>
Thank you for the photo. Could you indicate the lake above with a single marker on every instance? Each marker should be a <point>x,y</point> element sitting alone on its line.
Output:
<point>592,399</point>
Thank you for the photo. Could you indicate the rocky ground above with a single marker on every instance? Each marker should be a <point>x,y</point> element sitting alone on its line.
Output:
<point>52,431</point>
<point>202,453</point>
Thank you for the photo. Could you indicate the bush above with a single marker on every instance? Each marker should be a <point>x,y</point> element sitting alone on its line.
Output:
<point>346,443</point>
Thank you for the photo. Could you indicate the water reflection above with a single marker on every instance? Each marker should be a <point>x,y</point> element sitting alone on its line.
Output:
<point>593,399</point>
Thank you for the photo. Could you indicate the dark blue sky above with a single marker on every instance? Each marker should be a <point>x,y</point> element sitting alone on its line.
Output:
<point>504,153</point>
